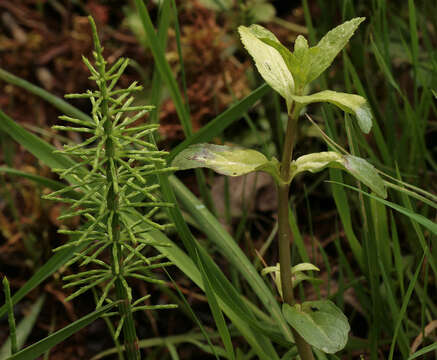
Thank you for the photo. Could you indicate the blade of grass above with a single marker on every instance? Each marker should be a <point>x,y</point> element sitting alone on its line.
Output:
<point>432,226</point>
<point>40,180</point>
<point>233,307</point>
<point>222,121</point>
<point>215,232</point>
<point>36,90</point>
<point>423,351</point>
<point>24,328</point>
<point>416,218</point>
<point>39,348</point>
<point>216,312</point>
<point>193,315</point>
<point>164,67</point>
<point>45,271</point>
<point>167,75</point>
<point>344,212</point>
<point>403,310</point>
<point>27,140</point>
<point>40,149</point>
<point>156,91</point>
<point>394,309</point>
<point>163,341</point>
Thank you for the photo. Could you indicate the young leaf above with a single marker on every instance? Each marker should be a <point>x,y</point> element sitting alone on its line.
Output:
<point>316,162</point>
<point>268,60</point>
<point>298,62</point>
<point>306,63</point>
<point>226,160</point>
<point>330,45</point>
<point>350,103</point>
<point>320,323</point>
<point>357,167</point>
<point>304,267</point>
<point>366,173</point>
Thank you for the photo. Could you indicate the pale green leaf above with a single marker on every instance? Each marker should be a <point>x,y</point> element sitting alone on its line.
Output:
<point>268,60</point>
<point>297,268</point>
<point>307,63</point>
<point>226,160</point>
<point>366,173</point>
<point>330,45</point>
<point>304,267</point>
<point>297,63</point>
<point>357,167</point>
<point>316,162</point>
<point>321,323</point>
<point>350,103</point>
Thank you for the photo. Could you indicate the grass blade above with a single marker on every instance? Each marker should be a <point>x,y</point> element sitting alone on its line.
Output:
<point>35,350</point>
<point>215,232</point>
<point>404,307</point>
<point>222,121</point>
<point>24,328</point>
<point>40,180</point>
<point>58,103</point>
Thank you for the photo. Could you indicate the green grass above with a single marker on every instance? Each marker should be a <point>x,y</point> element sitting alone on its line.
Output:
<point>383,253</point>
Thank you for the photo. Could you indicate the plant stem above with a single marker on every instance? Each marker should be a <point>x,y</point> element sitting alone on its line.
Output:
<point>129,333</point>
<point>112,203</point>
<point>284,231</point>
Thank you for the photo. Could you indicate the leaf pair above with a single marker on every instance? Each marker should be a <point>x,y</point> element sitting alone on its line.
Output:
<point>297,273</point>
<point>289,72</point>
<point>237,161</point>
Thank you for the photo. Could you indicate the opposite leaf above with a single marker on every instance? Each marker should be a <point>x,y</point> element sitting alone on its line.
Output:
<point>330,45</point>
<point>350,103</point>
<point>320,323</point>
<point>226,160</point>
<point>307,63</point>
<point>357,167</point>
<point>268,60</point>
<point>366,173</point>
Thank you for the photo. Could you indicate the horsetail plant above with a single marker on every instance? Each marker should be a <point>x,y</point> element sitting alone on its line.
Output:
<point>115,175</point>
<point>319,324</point>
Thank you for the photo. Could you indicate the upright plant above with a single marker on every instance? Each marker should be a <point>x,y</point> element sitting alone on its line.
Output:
<point>114,176</point>
<point>318,324</point>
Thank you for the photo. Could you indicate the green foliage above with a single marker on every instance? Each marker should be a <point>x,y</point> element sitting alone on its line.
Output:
<point>121,162</point>
<point>297,272</point>
<point>23,330</point>
<point>320,323</point>
<point>226,160</point>
<point>357,167</point>
<point>268,61</point>
<point>278,66</point>
<point>398,138</point>
<point>349,103</point>
<point>304,65</point>
<point>11,317</point>
<point>33,351</point>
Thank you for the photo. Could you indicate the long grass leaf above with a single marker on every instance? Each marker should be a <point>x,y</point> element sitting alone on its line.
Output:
<point>24,328</point>
<point>230,250</point>
<point>216,126</point>
<point>403,309</point>
<point>33,351</point>
<point>43,94</point>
